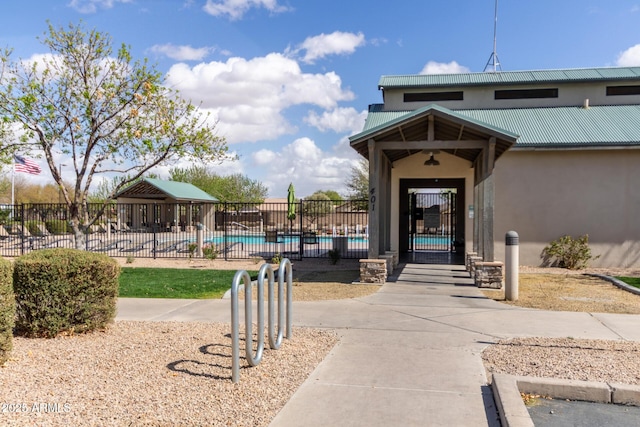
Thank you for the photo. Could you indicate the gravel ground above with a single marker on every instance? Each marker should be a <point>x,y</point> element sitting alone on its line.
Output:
<point>152,373</point>
<point>566,358</point>
<point>166,374</point>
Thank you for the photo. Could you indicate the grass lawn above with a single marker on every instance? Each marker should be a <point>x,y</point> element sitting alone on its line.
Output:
<point>633,281</point>
<point>175,283</point>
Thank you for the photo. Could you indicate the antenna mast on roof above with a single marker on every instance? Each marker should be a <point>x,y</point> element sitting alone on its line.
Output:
<point>493,61</point>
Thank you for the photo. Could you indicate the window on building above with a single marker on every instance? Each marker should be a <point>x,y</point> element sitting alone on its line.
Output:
<point>526,93</point>
<point>623,90</point>
<point>433,96</point>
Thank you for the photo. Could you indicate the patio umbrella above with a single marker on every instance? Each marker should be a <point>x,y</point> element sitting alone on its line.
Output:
<point>291,205</point>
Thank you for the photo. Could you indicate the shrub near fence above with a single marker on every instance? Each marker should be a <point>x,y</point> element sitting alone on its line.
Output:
<point>7,310</point>
<point>60,290</point>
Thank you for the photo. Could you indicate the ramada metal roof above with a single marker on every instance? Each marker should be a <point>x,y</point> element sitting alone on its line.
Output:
<point>510,78</point>
<point>157,189</point>
<point>550,127</point>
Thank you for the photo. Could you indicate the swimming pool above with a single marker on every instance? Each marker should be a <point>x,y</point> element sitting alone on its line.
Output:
<point>260,239</point>
<point>432,240</point>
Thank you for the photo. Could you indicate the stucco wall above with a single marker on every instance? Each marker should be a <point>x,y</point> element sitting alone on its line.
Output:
<point>413,167</point>
<point>570,94</point>
<point>546,194</point>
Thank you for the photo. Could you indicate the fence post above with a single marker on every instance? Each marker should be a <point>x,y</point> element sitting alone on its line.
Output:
<point>154,229</point>
<point>224,231</point>
<point>300,214</point>
<point>22,228</point>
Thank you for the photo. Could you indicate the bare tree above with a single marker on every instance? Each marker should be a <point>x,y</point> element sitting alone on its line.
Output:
<point>317,206</point>
<point>358,183</point>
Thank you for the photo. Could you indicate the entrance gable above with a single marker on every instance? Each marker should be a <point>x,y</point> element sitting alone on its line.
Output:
<point>426,129</point>
<point>433,128</point>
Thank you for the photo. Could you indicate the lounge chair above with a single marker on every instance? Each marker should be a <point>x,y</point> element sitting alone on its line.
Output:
<point>311,238</point>
<point>170,245</point>
<point>110,245</point>
<point>93,243</point>
<point>272,237</point>
<point>223,249</point>
<point>183,246</point>
<point>138,246</point>
<point>29,238</point>
<point>5,236</point>
<point>59,242</point>
<point>124,228</point>
<point>43,230</point>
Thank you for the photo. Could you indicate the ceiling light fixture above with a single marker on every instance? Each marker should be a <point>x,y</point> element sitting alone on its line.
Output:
<point>431,161</point>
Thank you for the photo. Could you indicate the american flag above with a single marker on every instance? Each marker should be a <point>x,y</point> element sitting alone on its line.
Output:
<point>26,165</point>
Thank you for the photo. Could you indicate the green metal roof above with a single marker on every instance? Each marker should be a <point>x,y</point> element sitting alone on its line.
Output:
<point>151,188</point>
<point>402,128</point>
<point>381,120</point>
<point>544,127</point>
<point>510,78</point>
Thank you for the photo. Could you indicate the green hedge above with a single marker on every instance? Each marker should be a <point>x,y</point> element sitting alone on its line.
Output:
<point>64,290</point>
<point>7,310</point>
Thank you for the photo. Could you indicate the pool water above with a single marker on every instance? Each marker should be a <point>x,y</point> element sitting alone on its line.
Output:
<point>252,240</point>
<point>432,240</point>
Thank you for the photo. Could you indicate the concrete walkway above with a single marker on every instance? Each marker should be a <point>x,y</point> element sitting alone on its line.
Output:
<point>408,355</point>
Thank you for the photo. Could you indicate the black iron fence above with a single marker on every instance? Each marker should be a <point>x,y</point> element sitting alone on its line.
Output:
<point>433,221</point>
<point>307,229</point>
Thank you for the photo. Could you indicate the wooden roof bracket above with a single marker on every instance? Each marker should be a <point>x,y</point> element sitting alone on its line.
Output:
<point>485,161</point>
<point>459,138</point>
<point>431,131</point>
<point>404,139</point>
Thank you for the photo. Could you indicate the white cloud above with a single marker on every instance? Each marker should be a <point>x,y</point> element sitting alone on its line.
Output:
<point>336,43</point>
<point>235,9</point>
<point>630,57</point>
<point>378,41</point>
<point>343,150</point>
<point>248,97</point>
<point>181,53</point>
<point>91,6</point>
<point>338,120</point>
<point>303,150</point>
<point>305,165</point>
<point>226,167</point>
<point>452,67</point>
<point>264,157</point>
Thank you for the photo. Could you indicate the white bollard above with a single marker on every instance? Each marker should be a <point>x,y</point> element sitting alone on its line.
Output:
<point>512,262</point>
<point>199,240</point>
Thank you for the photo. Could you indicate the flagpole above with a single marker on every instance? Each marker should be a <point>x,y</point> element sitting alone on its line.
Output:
<point>13,183</point>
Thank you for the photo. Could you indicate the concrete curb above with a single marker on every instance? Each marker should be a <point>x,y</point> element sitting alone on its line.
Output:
<point>513,412</point>
<point>618,283</point>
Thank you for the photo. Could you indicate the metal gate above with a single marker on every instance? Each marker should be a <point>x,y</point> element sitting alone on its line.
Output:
<point>432,226</point>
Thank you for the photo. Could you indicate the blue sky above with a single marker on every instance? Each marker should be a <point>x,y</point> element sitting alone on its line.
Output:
<point>290,80</point>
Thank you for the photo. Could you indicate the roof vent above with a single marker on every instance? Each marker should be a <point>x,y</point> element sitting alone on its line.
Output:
<point>585,105</point>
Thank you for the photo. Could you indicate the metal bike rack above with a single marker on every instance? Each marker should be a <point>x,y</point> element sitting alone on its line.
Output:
<point>266,272</point>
